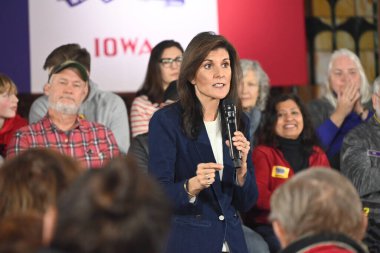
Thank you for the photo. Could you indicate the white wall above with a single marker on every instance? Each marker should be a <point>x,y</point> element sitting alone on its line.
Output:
<point>118,34</point>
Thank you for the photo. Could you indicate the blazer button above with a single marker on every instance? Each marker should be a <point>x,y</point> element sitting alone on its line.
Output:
<point>221,217</point>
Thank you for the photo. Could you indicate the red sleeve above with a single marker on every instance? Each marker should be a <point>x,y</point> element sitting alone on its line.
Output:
<point>19,122</point>
<point>319,158</point>
<point>263,165</point>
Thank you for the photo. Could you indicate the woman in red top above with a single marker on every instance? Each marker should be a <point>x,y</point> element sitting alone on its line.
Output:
<point>287,145</point>
<point>9,120</point>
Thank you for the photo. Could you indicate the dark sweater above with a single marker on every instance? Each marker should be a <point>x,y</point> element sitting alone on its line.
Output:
<point>294,153</point>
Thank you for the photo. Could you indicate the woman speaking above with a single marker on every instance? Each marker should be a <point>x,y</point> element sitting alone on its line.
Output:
<point>189,153</point>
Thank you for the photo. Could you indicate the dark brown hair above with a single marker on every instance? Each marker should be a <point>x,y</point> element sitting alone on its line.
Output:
<point>267,135</point>
<point>68,52</point>
<point>7,85</point>
<point>21,233</point>
<point>152,85</point>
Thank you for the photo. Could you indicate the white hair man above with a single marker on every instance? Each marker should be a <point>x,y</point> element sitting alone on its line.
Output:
<point>318,210</point>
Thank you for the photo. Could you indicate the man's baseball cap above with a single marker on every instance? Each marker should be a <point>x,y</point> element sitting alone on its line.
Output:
<point>70,64</point>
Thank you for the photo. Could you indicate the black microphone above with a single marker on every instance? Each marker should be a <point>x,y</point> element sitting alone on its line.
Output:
<point>229,112</point>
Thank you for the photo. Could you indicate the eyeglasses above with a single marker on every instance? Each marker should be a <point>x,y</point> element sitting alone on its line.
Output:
<point>168,62</point>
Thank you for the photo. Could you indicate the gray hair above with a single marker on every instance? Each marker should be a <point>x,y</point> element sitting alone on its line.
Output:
<point>262,78</point>
<point>317,200</point>
<point>365,89</point>
<point>376,85</point>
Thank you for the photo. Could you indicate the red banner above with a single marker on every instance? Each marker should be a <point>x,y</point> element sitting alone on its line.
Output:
<point>272,32</point>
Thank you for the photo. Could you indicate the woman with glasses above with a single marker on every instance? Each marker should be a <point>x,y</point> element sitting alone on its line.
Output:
<point>163,68</point>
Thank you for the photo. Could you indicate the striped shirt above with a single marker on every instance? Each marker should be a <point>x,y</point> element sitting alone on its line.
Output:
<point>92,144</point>
<point>141,111</point>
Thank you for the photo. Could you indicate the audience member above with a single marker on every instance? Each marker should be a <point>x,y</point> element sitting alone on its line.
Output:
<point>318,210</point>
<point>344,105</point>
<point>253,93</point>
<point>190,158</point>
<point>287,145</point>
<point>20,233</point>
<point>163,68</point>
<point>139,144</point>
<point>116,209</point>
<point>62,128</point>
<point>10,121</point>
<point>360,163</point>
<point>32,181</point>
<point>99,106</point>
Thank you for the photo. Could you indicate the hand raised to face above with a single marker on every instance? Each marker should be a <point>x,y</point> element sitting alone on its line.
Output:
<point>348,96</point>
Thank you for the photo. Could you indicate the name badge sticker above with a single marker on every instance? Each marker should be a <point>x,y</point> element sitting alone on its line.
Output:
<point>366,211</point>
<point>373,153</point>
<point>280,172</point>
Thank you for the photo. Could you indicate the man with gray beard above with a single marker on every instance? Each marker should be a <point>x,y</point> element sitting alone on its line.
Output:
<point>62,128</point>
<point>98,103</point>
<point>360,162</point>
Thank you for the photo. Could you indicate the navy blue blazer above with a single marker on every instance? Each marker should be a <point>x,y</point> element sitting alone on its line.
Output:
<point>204,225</point>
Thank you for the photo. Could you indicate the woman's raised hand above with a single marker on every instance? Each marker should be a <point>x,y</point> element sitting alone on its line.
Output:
<point>346,100</point>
